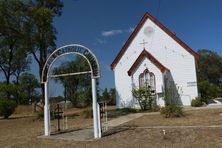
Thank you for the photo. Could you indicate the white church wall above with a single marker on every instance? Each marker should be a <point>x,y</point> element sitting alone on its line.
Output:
<point>180,62</point>
<point>166,50</point>
<point>122,80</point>
<point>123,89</point>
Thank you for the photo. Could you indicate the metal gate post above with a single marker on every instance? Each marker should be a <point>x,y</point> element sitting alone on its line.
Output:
<point>46,112</point>
<point>96,118</point>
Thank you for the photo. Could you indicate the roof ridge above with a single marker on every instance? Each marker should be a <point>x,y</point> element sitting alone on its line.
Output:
<point>137,29</point>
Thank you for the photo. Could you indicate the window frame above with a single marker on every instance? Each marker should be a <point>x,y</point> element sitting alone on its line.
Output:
<point>143,80</point>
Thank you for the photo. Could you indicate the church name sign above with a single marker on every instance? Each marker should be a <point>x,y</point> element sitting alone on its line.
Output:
<point>191,84</point>
<point>75,49</point>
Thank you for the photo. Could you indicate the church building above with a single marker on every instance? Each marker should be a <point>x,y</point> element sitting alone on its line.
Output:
<point>155,56</point>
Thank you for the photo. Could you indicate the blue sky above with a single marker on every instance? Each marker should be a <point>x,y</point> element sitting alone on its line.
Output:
<point>104,25</point>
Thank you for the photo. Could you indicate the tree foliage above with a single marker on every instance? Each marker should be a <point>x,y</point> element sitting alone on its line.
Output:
<point>26,27</point>
<point>24,92</point>
<point>28,86</point>
<point>77,88</point>
<point>40,34</point>
<point>10,89</point>
<point>13,59</point>
<point>7,107</point>
<point>209,74</point>
<point>209,67</point>
<point>109,96</point>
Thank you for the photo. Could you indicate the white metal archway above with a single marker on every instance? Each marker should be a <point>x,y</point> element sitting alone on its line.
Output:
<point>95,74</point>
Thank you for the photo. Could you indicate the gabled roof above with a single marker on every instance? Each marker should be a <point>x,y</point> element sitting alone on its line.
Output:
<point>146,54</point>
<point>137,29</point>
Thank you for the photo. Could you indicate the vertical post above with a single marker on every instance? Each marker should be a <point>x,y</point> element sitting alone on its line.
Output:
<point>58,114</point>
<point>95,106</point>
<point>46,111</point>
<point>99,124</point>
<point>106,116</point>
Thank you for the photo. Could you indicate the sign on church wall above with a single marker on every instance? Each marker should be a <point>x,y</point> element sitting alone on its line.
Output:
<point>191,84</point>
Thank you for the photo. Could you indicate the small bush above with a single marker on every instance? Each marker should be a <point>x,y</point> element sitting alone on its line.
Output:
<point>196,103</point>
<point>144,97</point>
<point>87,113</point>
<point>171,111</point>
<point>7,107</point>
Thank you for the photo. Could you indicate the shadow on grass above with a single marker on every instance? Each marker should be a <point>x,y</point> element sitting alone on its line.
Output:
<point>65,131</point>
<point>121,112</point>
<point>18,117</point>
<point>116,130</point>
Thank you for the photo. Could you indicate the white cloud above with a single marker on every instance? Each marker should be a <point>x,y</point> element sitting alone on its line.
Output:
<point>116,32</point>
<point>111,32</point>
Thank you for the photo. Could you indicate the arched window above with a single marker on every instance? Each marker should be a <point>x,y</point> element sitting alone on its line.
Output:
<point>152,82</point>
<point>147,78</point>
<point>141,80</point>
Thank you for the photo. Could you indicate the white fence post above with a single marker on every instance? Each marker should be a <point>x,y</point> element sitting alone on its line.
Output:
<point>46,112</point>
<point>95,106</point>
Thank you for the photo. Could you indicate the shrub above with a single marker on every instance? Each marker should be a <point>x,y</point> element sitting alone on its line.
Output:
<point>196,102</point>
<point>144,97</point>
<point>7,107</point>
<point>171,111</point>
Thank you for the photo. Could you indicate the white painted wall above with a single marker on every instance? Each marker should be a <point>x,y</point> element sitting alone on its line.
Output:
<point>165,49</point>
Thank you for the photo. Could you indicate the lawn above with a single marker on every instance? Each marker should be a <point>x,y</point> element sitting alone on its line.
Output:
<point>191,118</point>
<point>23,131</point>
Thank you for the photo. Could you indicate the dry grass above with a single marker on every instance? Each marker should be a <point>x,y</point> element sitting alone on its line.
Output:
<point>195,117</point>
<point>24,109</point>
<point>23,132</point>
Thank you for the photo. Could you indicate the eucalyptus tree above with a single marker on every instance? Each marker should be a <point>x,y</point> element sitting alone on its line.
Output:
<point>12,17</point>
<point>40,31</point>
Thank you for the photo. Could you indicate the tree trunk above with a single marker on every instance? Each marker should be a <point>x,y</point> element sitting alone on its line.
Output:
<point>7,82</point>
<point>42,60</point>
<point>42,85</point>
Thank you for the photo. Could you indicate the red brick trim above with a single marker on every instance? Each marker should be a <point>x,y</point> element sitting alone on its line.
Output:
<point>146,54</point>
<point>139,26</point>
